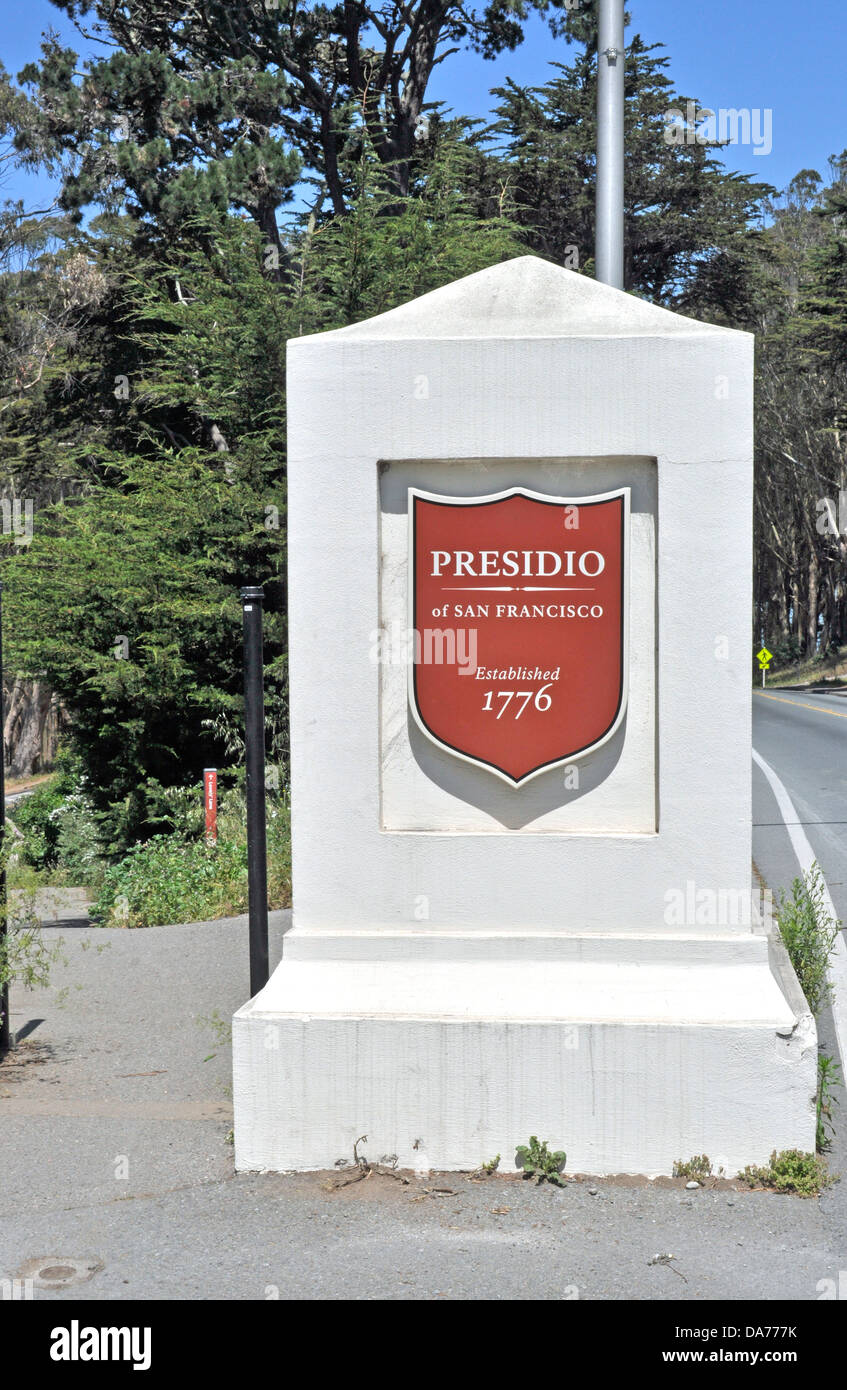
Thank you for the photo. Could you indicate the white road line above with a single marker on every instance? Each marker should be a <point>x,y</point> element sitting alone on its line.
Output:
<point>806,857</point>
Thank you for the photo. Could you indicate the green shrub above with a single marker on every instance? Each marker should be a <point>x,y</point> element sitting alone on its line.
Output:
<point>787,652</point>
<point>167,879</point>
<point>58,831</point>
<point>171,878</point>
<point>809,931</point>
<point>181,810</point>
<point>35,817</point>
<point>803,1174</point>
<point>78,847</point>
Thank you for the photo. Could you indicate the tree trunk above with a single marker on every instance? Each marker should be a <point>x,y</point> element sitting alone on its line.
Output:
<point>798,614</point>
<point>781,597</point>
<point>812,608</point>
<point>34,719</point>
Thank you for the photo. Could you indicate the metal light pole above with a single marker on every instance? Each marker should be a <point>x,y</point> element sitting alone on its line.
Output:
<point>257,866</point>
<point>4,925</point>
<point>608,257</point>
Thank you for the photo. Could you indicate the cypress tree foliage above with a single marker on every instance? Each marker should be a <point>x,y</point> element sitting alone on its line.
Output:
<point>822,311</point>
<point>159,128</point>
<point>50,301</point>
<point>199,112</point>
<point>126,600</point>
<point>386,251</point>
<point>688,242</point>
<point>207,107</point>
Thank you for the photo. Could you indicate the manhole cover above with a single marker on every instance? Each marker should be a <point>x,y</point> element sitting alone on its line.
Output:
<point>58,1271</point>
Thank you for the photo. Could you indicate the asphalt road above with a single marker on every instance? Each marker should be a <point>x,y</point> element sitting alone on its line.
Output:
<point>803,736</point>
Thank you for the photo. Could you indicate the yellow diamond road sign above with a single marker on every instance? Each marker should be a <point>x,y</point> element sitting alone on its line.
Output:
<point>764,657</point>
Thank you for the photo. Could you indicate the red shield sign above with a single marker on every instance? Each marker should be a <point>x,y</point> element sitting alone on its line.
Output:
<point>519,614</point>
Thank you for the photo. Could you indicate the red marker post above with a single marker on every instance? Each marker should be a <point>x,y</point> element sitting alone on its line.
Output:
<point>210,797</point>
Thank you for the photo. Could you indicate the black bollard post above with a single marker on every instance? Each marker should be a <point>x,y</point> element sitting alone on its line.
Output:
<point>254,709</point>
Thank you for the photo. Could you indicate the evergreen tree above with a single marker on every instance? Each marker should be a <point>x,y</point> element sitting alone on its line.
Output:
<point>217,107</point>
<point>126,599</point>
<point>687,239</point>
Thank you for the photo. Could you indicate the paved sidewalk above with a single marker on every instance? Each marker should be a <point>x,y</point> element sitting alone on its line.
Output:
<point>114,1116</point>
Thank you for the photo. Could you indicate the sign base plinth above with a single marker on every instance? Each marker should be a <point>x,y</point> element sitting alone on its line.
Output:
<point>629,1054</point>
<point>519,516</point>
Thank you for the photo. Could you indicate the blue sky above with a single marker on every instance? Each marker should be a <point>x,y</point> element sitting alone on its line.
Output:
<point>759,55</point>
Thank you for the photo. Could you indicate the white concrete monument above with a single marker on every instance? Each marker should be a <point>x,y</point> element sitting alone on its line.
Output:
<point>520,572</point>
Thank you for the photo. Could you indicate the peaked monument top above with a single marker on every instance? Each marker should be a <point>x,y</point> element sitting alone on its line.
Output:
<point>524,298</point>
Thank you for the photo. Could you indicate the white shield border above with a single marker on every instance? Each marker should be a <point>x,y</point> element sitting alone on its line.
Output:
<point>621,492</point>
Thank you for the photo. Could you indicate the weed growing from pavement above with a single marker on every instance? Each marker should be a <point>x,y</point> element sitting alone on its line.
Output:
<point>486,1169</point>
<point>221,1028</point>
<point>698,1168</point>
<point>829,1076</point>
<point>803,1174</point>
<point>361,1168</point>
<point>539,1163</point>
<point>809,931</point>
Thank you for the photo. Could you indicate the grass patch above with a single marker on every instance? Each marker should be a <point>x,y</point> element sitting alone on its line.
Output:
<point>807,672</point>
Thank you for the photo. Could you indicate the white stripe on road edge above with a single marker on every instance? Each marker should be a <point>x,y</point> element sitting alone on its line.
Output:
<point>806,856</point>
